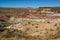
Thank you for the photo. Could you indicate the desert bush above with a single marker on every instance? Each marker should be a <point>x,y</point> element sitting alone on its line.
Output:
<point>6,33</point>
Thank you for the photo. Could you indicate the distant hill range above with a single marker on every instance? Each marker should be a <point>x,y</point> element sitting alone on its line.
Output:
<point>12,11</point>
<point>30,8</point>
<point>41,12</point>
<point>52,8</point>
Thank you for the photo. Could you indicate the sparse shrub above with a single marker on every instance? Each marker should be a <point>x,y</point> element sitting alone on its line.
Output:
<point>29,22</point>
<point>55,24</point>
<point>48,22</point>
<point>6,33</point>
<point>36,26</point>
<point>27,30</point>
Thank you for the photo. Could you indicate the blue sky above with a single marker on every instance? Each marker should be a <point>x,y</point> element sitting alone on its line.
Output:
<point>29,3</point>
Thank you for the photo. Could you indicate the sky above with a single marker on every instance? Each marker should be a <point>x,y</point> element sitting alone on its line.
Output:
<point>29,3</point>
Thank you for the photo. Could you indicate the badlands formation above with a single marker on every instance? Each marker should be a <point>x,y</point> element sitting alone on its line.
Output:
<point>36,26</point>
<point>46,24</point>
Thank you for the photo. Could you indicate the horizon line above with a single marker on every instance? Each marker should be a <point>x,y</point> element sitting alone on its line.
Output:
<point>29,7</point>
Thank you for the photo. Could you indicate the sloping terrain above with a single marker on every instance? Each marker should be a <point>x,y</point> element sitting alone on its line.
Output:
<point>48,29</point>
<point>29,24</point>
